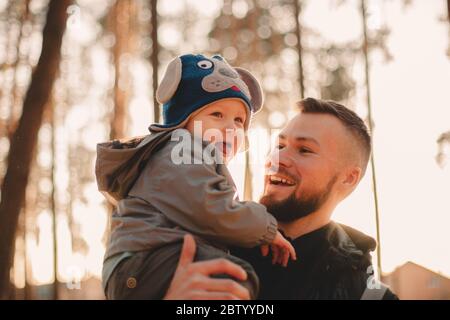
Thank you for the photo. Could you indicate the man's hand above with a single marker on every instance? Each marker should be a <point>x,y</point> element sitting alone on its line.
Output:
<point>281,250</point>
<point>192,280</point>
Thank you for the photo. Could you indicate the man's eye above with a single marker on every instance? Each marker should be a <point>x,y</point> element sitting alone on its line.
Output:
<point>280,146</point>
<point>217,114</point>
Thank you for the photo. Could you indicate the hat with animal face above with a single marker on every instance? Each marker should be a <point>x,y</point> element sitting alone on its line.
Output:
<point>191,82</point>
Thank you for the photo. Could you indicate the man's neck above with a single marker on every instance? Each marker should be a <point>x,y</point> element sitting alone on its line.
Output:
<point>305,225</point>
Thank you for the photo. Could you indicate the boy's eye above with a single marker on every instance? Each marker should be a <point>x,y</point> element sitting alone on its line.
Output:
<point>304,150</point>
<point>280,146</point>
<point>239,119</point>
<point>217,114</point>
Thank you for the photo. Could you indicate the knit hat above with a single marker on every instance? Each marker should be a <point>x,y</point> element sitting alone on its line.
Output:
<point>191,82</point>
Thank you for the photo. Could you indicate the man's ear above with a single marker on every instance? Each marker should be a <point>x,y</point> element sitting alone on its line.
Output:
<point>352,177</point>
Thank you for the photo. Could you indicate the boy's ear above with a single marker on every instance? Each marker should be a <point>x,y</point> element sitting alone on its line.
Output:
<point>170,81</point>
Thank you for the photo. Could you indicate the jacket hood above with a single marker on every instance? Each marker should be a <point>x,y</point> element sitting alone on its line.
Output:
<point>351,246</point>
<point>119,163</point>
<point>360,240</point>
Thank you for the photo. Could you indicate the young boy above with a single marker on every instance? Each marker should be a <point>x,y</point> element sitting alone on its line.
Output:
<point>165,188</point>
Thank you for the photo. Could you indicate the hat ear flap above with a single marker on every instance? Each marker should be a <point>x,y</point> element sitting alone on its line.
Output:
<point>257,97</point>
<point>170,81</point>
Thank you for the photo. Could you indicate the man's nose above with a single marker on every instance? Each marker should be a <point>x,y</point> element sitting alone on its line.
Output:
<point>279,158</point>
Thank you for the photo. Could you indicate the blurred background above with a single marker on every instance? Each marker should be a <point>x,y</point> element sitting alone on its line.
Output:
<point>76,73</point>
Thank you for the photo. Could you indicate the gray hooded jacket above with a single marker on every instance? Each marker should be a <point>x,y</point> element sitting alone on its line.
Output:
<point>158,201</point>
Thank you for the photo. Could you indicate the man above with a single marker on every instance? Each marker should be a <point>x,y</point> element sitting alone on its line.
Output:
<point>320,158</point>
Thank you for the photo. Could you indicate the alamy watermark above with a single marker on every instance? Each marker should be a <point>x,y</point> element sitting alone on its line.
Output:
<point>213,146</point>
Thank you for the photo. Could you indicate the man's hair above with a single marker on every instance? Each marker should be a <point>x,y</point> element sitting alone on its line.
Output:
<point>348,118</point>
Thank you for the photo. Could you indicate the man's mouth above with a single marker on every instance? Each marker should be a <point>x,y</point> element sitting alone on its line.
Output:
<point>279,180</point>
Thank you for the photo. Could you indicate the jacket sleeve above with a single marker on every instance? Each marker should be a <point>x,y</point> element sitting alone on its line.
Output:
<point>199,199</point>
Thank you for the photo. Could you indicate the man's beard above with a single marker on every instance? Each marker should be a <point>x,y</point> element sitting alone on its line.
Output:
<point>292,208</point>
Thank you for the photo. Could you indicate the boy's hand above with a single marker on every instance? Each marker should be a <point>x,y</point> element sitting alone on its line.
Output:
<point>281,250</point>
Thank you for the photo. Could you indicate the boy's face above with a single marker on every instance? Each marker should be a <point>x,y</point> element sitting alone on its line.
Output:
<point>221,122</point>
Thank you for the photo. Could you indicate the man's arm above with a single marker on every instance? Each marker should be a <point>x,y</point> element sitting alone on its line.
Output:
<point>192,280</point>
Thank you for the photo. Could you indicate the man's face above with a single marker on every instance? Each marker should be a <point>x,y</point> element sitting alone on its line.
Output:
<point>302,170</point>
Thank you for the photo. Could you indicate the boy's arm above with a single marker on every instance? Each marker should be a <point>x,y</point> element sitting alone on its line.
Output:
<point>202,201</point>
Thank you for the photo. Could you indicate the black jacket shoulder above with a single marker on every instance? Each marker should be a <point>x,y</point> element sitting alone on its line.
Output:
<point>346,270</point>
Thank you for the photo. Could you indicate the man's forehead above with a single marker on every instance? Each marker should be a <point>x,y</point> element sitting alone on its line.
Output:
<point>316,126</point>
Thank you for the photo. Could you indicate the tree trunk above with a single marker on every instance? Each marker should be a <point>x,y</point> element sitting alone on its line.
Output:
<point>298,32</point>
<point>121,28</point>
<point>365,48</point>
<point>15,106</point>
<point>248,183</point>
<point>154,57</point>
<point>24,140</point>
<point>53,200</point>
<point>448,10</point>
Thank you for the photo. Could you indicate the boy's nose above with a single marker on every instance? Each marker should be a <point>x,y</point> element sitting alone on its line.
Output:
<point>228,124</point>
<point>228,133</point>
